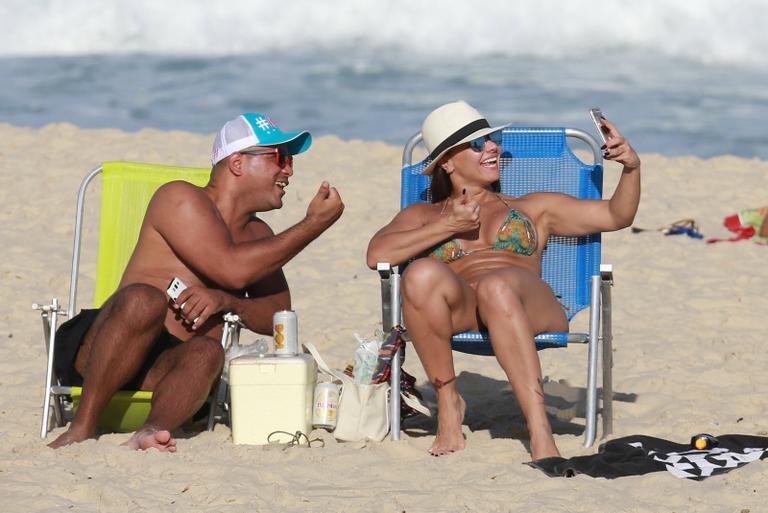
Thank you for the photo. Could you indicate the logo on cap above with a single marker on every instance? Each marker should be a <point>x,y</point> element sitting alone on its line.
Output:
<point>265,124</point>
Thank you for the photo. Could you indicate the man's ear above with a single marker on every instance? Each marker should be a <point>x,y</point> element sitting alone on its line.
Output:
<point>235,164</point>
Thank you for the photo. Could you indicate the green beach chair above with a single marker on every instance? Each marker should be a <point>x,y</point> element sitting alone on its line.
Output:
<point>126,190</point>
<point>534,160</point>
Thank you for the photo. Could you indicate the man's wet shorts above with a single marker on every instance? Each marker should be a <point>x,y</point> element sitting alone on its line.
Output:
<point>71,335</point>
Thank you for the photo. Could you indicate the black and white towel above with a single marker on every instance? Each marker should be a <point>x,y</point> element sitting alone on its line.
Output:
<point>639,454</point>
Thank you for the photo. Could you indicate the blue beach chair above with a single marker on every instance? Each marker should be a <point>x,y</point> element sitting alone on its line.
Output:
<point>535,160</point>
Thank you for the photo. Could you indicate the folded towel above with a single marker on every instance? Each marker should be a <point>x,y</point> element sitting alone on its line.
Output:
<point>747,224</point>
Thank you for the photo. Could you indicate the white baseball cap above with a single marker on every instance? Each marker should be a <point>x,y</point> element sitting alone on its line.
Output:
<point>253,129</point>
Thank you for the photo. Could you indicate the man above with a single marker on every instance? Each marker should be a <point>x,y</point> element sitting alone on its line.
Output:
<point>210,238</point>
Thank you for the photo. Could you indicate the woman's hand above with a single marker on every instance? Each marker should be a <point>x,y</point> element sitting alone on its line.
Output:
<point>617,148</point>
<point>464,215</point>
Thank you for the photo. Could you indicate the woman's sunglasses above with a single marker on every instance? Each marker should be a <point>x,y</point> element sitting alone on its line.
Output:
<point>478,144</point>
<point>282,156</point>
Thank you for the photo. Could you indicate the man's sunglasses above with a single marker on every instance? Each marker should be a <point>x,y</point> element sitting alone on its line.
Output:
<point>282,156</point>
<point>478,144</point>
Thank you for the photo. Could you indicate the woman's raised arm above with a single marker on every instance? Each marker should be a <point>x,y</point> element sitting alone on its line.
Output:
<point>566,215</point>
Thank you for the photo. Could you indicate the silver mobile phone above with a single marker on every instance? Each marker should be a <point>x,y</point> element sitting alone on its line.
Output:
<point>597,119</point>
<point>175,288</point>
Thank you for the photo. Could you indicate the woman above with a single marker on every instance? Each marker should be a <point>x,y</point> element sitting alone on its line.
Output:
<point>482,265</point>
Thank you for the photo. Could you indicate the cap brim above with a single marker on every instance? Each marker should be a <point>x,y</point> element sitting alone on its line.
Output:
<point>429,168</point>
<point>298,142</point>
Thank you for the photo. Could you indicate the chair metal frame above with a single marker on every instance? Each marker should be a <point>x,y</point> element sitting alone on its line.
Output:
<point>599,336</point>
<point>54,391</point>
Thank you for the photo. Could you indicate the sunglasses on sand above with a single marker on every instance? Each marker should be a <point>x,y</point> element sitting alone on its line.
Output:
<point>282,156</point>
<point>478,144</point>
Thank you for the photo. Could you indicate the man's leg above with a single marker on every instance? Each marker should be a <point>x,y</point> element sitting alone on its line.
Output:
<point>113,352</point>
<point>181,380</point>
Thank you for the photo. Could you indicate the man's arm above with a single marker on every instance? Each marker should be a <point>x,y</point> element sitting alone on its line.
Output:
<point>266,297</point>
<point>188,220</point>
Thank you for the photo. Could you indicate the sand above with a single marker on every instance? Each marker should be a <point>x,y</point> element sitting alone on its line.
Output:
<point>688,326</point>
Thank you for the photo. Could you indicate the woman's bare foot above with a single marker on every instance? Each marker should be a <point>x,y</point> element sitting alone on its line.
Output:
<point>547,449</point>
<point>542,442</point>
<point>70,436</point>
<point>149,438</point>
<point>451,409</point>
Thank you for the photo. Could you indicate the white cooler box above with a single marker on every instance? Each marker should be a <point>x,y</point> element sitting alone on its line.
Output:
<point>271,393</point>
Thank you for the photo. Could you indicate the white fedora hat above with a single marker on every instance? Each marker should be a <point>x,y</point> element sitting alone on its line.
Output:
<point>450,125</point>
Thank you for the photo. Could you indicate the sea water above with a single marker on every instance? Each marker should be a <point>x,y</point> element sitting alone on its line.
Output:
<point>677,77</point>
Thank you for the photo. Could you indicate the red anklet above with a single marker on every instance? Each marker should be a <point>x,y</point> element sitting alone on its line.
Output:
<point>438,383</point>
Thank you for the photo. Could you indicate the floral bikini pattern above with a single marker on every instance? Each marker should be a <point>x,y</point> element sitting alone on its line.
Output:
<point>516,234</point>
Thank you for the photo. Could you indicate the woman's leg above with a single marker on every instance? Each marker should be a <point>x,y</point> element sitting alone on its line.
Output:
<point>437,304</point>
<point>515,305</point>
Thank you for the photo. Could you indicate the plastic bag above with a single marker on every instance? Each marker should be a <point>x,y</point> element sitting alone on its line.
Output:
<point>366,359</point>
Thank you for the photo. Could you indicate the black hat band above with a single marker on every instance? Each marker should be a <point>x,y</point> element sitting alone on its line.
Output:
<point>458,135</point>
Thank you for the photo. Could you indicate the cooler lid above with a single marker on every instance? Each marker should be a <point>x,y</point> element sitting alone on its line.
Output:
<point>272,370</point>
<point>254,359</point>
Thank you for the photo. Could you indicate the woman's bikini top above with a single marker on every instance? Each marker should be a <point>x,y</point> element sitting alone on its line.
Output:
<point>516,234</point>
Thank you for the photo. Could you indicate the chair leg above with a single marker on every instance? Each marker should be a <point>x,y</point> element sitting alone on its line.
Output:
<point>49,314</point>
<point>46,417</point>
<point>219,397</point>
<point>393,320</point>
<point>607,359</point>
<point>394,396</point>
<point>58,410</point>
<point>230,336</point>
<point>594,333</point>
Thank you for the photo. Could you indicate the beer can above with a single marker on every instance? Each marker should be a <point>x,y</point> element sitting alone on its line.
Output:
<point>325,406</point>
<point>285,329</point>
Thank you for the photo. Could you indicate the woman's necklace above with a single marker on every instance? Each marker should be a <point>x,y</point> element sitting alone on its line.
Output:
<point>445,202</point>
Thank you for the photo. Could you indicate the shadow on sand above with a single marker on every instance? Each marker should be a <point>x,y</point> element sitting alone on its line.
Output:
<point>491,406</point>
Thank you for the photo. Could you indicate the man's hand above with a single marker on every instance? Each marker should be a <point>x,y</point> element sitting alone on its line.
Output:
<point>199,304</point>
<point>464,214</point>
<point>326,207</point>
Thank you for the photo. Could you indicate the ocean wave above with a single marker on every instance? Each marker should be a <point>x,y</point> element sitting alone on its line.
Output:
<point>709,31</point>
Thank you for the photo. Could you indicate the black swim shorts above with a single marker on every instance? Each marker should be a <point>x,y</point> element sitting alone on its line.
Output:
<point>70,336</point>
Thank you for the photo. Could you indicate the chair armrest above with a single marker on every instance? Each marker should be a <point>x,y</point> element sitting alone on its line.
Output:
<point>385,274</point>
<point>384,269</point>
<point>606,272</point>
<point>230,335</point>
<point>233,318</point>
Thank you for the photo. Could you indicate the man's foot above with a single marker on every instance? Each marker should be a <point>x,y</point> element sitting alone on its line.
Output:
<point>449,418</point>
<point>70,436</point>
<point>150,438</point>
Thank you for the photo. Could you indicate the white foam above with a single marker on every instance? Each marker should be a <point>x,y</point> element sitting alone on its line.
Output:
<point>717,31</point>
